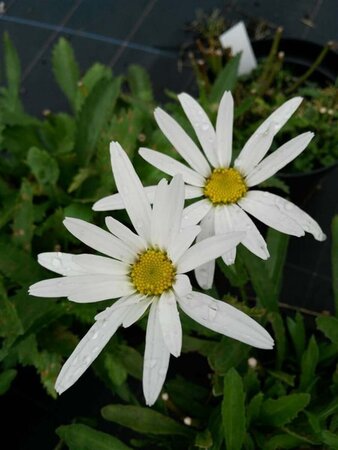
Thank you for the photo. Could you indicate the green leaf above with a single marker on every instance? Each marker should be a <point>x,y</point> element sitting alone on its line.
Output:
<point>6,379</point>
<point>18,265</point>
<point>280,441</point>
<point>114,370</point>
<point>334,258</point>
<point>143,420</point>
<point>278,245</point>
<point>131,360</point>
<point>83,174</point>
<point>79,211</point>
<point>279,332</point>
<point>260,279</point>
<point>12,63</point>
<point>297,332</point>
<point>228,353</point>
<point>66,70</point>
<point>254,408</point>
<point>286,378</point>
<point>284,409</point>
<point>24,217</point>
<point>94,115</point>
<point>330,439</point>
<point>140,84</point>
<point>233,411</point>
<point>203,439</point>
<point>44,167</point>
<point>308,366</point>
<point>82,437</point>
<point>10,324</point>
<point>226,80</point>
<point>329,326</point>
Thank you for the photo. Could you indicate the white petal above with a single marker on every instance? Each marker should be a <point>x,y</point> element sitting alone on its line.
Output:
<point>129,300</point>
<point>195,212</point>
<point>202,126</point>
<point>167,212</point>
<point>100,264</point>
<point>253,239</point>
<point>278,159</point>
<point>182,285</point>
<point>98,239</point>
<point>132,240</point>
<point>269,209</point>
<point>293,212</point>
<point>172,167</point>
<point>156,358</point>
<point>259,143</point>
<point>170,322</point>
<point>136,311</point>
<point>183,241</point>
<point>131,190</point>
<point>89,348</point>
<point>207,250</point>
<point>84,288</point>
<point>61,263</point>
<point>184,145</point>
<point>224,126</point>
<point>115,202</point>
<point>223,224</point>
<point>225,319</point>
<point>158,234</point>
<point>205,273</point>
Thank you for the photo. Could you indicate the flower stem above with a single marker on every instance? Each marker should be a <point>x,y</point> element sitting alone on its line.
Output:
<point>311,69</point>
<point>269,63</point>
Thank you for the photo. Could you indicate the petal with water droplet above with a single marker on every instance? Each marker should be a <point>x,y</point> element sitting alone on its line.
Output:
<point>156,358</point>
<point>225,319</point>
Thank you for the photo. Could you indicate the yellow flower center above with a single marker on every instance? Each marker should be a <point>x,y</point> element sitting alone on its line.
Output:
<point>225,186</point>
<point>153,272</point>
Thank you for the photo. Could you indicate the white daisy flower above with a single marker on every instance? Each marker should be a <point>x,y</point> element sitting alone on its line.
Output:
<point>146,269</point>
<point>226,192</point>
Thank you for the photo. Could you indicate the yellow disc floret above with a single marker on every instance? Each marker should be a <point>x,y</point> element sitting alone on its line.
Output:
<point>153,272</point>
<point>225,186</point>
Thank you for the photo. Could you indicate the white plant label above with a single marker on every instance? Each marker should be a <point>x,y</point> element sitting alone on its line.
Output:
<point>237,38</point>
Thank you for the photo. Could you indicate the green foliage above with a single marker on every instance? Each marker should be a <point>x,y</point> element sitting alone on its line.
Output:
<point>95,112</point>
<point>82,437</point>
<point>66,70</point>
<point>283,410</point>
<point>225,81</point>
<point>144,420</point>
<point>233,411</point>
<point>335,260</point>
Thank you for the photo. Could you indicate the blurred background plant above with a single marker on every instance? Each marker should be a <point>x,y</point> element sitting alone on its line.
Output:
<point>278,77</point>
<point>220,394</point>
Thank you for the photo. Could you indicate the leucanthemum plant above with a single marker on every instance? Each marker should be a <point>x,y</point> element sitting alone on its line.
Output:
<point>227,195</point>
<point>146,269</point>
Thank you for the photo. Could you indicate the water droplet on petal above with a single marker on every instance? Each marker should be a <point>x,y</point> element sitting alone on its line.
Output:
<point>56,262</point>
<point>86,360</point>
<point>212,312</point>
<point>95,335</point>
<point>205,126</point>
